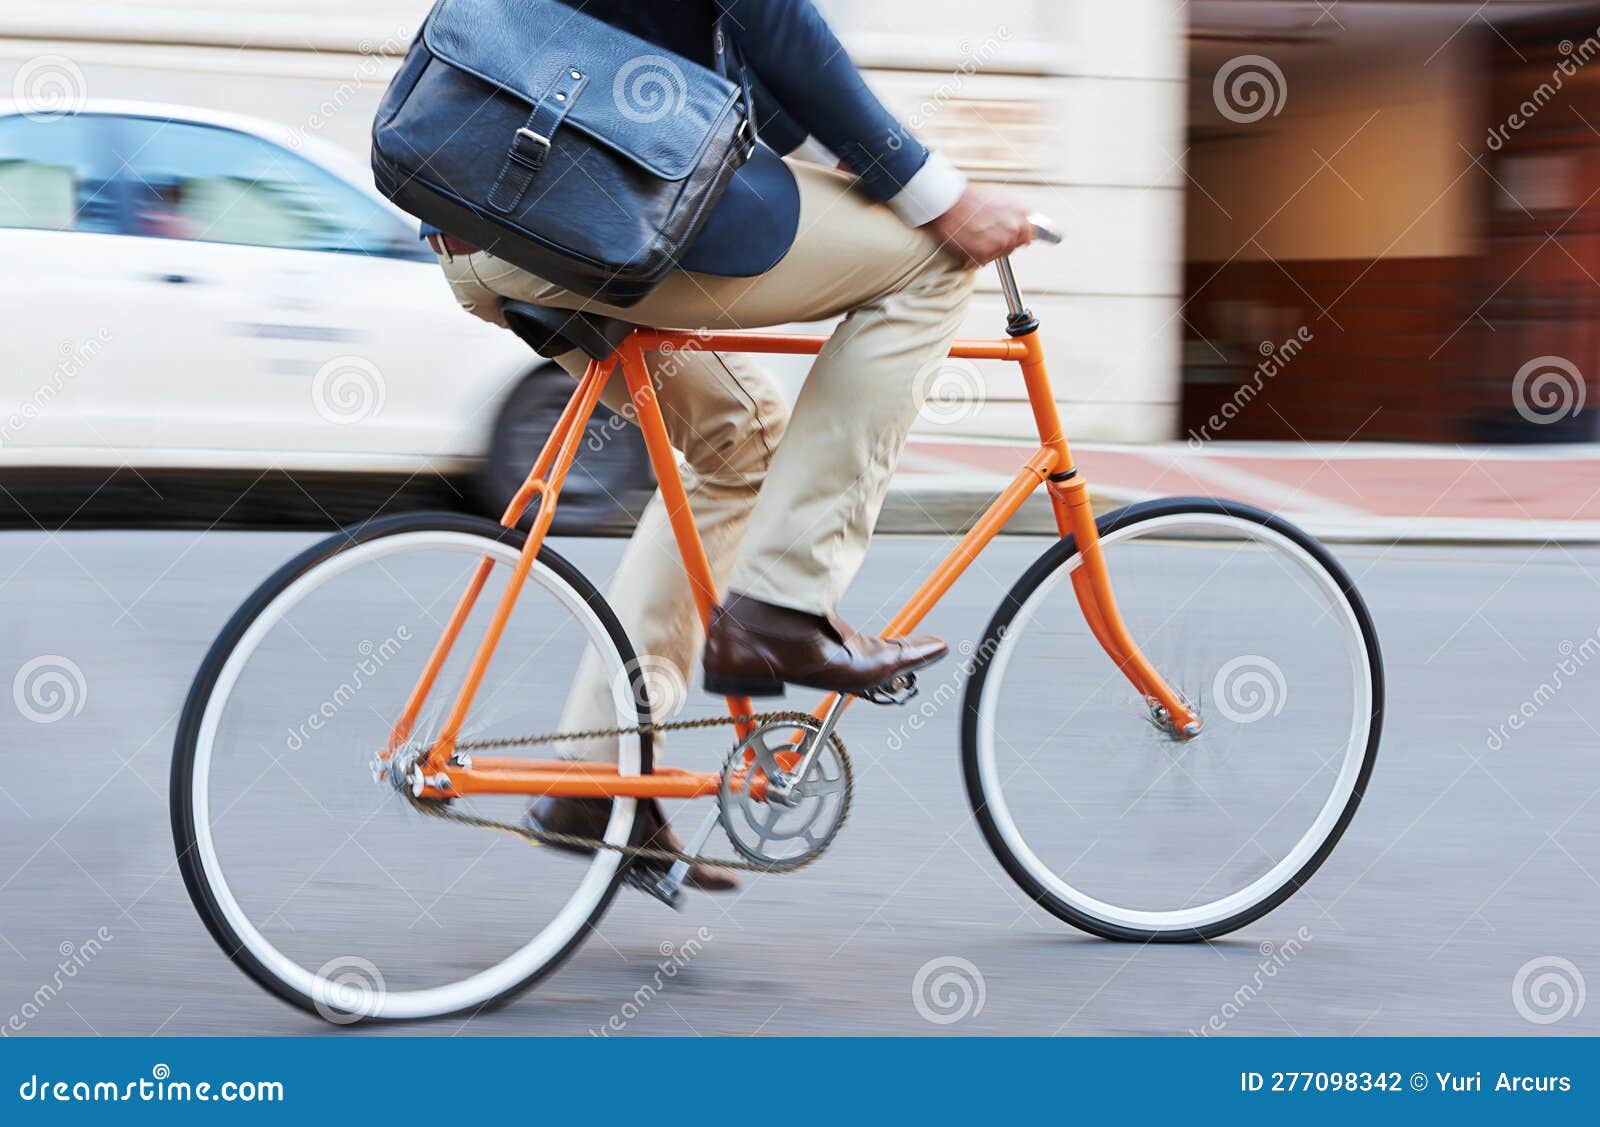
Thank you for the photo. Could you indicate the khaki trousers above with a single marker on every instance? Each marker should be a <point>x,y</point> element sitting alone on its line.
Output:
<point>783,521</point>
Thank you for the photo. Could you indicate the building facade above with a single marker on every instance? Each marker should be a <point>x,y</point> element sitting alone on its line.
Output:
<point>1077,104</point>
<point>1408,194</point>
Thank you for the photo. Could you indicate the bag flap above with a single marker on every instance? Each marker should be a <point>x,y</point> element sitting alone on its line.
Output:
<point>651,106</point>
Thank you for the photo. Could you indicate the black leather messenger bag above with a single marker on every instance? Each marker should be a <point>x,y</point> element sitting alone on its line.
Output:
<point>569,147</point>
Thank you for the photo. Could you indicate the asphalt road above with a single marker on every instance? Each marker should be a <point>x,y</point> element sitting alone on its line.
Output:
<point>1474,855</point>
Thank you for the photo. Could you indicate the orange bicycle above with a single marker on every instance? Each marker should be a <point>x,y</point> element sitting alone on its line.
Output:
<point>1167,763</point>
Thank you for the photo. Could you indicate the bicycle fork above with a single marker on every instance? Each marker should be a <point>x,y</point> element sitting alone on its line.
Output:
<point>1074,514</point>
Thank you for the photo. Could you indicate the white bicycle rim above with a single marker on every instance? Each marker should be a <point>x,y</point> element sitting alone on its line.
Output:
<point>526,960</point>
<point>1294,860</point>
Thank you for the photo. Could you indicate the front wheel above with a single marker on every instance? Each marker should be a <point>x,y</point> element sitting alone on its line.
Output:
<point>318,879</point>
<point>1078,785</point>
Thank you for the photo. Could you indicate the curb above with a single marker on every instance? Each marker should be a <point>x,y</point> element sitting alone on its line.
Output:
<point>924,511</point>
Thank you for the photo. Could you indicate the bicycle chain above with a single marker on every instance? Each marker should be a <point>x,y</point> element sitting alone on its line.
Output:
<point>442,809</point>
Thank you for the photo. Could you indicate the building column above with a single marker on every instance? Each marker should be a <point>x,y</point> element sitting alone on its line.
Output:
<point>1079,107</point>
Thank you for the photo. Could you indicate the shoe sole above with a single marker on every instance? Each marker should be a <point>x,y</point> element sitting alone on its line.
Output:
<point>724,685</point>
<point>730,686</point>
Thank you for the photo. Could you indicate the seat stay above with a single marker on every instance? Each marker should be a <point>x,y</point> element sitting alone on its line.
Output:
<point>1051,466</point>
<point>555,460</point>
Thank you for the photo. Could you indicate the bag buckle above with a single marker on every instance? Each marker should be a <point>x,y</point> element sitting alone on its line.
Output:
<point>538,142</point>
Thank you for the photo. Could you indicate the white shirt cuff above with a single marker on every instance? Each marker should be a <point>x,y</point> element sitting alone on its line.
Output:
<point>814,152</point>
<point>933,191</point>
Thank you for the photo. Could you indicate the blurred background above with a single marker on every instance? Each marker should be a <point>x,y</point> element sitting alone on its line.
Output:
<point>1337,259</point>
<point>1286,222</point>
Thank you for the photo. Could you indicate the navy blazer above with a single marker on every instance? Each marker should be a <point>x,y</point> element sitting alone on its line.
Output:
<point>804,85</point>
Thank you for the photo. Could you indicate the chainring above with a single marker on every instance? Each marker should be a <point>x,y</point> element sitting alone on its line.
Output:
<point>780,835</point>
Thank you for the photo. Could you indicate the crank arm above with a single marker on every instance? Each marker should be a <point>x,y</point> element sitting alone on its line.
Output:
<point>670,887</point>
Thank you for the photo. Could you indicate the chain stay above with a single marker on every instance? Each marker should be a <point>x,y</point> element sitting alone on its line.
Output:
<point>443,808</point>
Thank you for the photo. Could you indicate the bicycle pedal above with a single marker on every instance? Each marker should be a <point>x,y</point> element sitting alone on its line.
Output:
<point>656,885</point>
<point>899,690</point>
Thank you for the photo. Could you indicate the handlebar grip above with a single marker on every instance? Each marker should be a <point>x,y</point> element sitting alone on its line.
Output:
<point>1045,229</point>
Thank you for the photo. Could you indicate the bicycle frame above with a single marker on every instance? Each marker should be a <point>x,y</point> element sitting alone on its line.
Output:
<point>441,774</point>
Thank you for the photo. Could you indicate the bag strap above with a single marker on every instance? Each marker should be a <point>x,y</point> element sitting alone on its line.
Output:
<point>731,65</point>
<point>530,145</point>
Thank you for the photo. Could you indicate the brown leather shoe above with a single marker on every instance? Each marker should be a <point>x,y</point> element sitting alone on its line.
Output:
<point>587,817</point>
<point>659,835</point>
<point>753,648</point>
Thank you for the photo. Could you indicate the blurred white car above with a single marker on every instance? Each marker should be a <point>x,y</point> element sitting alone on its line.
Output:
<point>194,291</point>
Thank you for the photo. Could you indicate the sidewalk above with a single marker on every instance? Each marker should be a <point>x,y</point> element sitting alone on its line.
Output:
<point>1355,492</point>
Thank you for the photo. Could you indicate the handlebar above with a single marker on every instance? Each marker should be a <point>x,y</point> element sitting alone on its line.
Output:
<point>1045,229</point>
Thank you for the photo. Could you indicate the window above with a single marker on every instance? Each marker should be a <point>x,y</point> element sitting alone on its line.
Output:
<point>200,182</point>
<point>55,175</point>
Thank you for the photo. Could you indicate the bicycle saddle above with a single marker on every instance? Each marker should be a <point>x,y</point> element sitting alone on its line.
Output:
<point>552,332</point>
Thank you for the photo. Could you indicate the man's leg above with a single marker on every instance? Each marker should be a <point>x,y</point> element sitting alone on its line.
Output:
<point>726,416</point>
<point>903,297</point>
<point>811,525</point>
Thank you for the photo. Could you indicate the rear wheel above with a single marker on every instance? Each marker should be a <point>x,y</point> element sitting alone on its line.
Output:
<point>321,883</point>
<point>1080,789</point>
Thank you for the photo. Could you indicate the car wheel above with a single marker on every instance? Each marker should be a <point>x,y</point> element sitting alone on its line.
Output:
<point>610,481</point>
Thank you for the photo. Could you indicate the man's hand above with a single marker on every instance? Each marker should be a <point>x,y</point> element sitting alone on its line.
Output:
<point>984,225</point>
